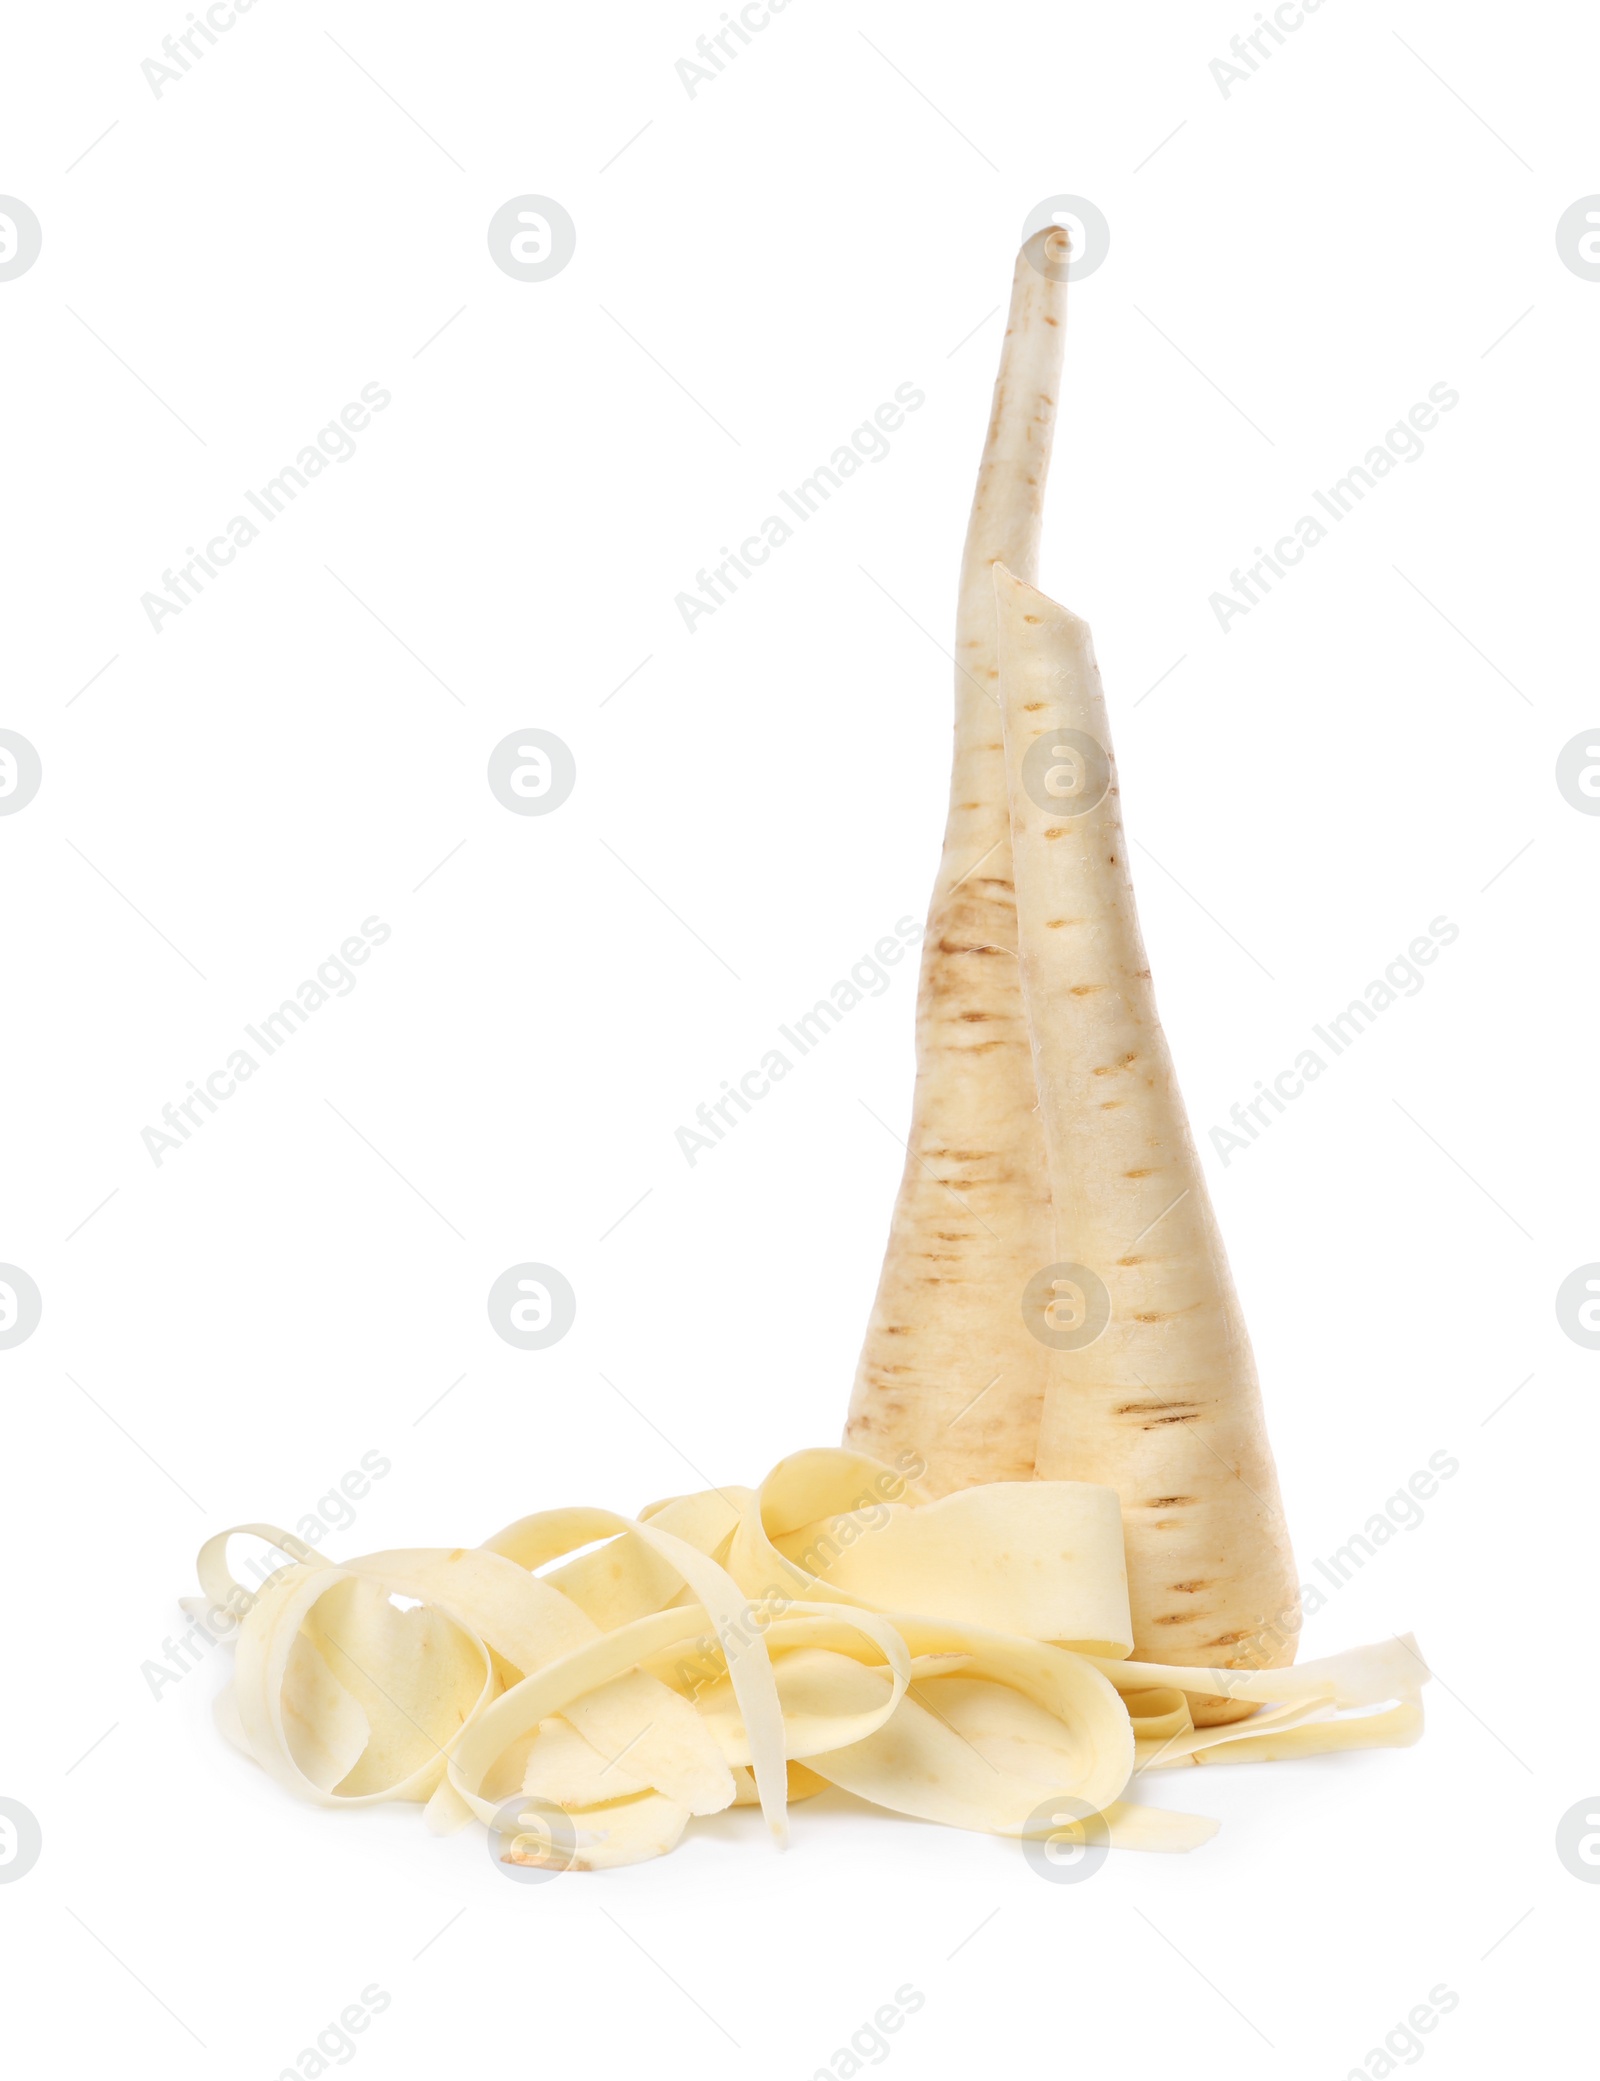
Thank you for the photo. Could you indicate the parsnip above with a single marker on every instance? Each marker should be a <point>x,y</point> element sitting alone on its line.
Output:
<point>945,1371</point>
<point>1056,1337</point>
<point>1162,1404</point>
<point>1000,1187</point>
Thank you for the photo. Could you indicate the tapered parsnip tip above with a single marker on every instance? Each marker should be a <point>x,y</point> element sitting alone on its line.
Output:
<point>1015,597</point>
<point>1049,252</point>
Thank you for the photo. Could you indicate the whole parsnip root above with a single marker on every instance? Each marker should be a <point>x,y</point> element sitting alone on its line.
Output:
<point>1162,1403</point>
<point>945,1371</point>
<point>1047,1131</point>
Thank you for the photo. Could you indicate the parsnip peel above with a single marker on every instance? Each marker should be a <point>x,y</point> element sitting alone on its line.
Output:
<point>962,1660</point>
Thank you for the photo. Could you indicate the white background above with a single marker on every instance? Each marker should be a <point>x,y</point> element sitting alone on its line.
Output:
<point>1292,266</point>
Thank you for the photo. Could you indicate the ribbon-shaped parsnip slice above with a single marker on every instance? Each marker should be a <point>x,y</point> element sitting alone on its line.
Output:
<point>366,1690</point>
<point>533,1541</point>
<point>1359,1676</point>
<point>840,1676</point>
<point>982,1748</point>
<point>1032,1557</point>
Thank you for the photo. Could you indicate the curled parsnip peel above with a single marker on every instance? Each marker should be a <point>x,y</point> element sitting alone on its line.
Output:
<point>962,1659</point>
<point>1162,1404</point>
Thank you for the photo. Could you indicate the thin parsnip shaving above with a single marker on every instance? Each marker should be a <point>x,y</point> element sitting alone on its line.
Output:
<point>963,1659</point>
